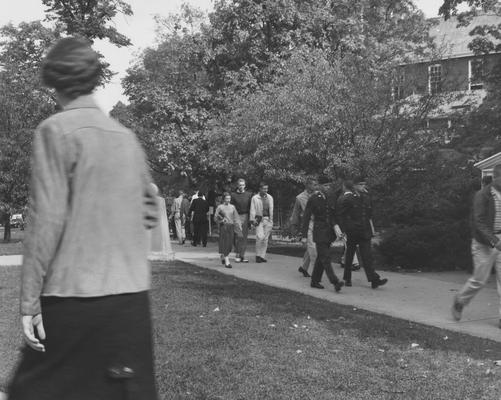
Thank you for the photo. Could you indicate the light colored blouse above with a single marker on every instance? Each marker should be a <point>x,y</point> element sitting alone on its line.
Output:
<point>227,214</point>
<point>90,201</point>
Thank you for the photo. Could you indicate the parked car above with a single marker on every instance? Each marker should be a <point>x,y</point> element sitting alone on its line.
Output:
<point>17,221</point>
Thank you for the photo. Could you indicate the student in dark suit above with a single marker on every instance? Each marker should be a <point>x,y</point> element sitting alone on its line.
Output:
<point>323,233</point>
<point>199,211</point>
<point>354,216</point>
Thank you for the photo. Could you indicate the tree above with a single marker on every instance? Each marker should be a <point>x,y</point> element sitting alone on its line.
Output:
<point>170,97</point>
<point>91,19</point>
<point>450,7</point>
<point>23,104</point>
<point>326,105</point>
<point>320,116</point>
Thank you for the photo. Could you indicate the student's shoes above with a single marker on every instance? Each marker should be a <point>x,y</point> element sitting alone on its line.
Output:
<point>304,272</point>
<point>378,282</point>
<point>260,259</point>
<point>238,260</point>
<point>228,266</point>
<point>347,283</point>
<point>457,310</point>
<point>244,260</point>
<point>316,285</point>
<point>338,285</point>
<point>355,267</point>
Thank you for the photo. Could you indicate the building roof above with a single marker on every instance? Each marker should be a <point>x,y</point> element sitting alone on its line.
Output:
<point>452,40</point>
<point>446,105</point>
<point>458,102</point>
<point>489,162</point>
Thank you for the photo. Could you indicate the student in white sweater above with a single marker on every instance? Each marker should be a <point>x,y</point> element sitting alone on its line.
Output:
<point>261,216</point>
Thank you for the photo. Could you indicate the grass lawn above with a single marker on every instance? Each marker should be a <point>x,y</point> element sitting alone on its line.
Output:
<point>15,246</point>
<point>219,337</point>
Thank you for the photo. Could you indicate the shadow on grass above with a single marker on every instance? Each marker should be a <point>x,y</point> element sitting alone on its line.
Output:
<point>337,317</point>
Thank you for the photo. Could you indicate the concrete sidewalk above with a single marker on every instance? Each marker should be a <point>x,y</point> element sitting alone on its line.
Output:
<point>419,297</point>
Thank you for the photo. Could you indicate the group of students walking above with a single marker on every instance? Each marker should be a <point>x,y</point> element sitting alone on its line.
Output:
<point>239,211</point>
<point>316,218</point>
<point>320,219</point>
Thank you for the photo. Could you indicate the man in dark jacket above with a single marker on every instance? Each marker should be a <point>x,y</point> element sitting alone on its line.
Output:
<point>354,215</point>
<point>241,199</point>
<point>199,213</point>
<point>323,233</point>
<point>485,244</point>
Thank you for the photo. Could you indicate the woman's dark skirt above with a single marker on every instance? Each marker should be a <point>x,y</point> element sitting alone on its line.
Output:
<point>96,348</point>
<point>226,237</point>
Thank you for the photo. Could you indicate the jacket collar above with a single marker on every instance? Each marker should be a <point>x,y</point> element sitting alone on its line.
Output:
<point>84,101</point>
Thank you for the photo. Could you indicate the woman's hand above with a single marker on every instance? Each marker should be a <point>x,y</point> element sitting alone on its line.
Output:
<point>30,323</point>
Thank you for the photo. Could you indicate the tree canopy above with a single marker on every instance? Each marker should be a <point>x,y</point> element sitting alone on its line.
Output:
<point>24,102</point>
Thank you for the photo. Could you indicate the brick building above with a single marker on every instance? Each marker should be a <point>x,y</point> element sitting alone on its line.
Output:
<point>453,72</point>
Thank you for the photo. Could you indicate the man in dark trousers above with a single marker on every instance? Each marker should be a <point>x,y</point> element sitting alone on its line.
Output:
<point>354,216</point>
<point>199,212</point>
<point>241,199</point>
<point>323,233</point>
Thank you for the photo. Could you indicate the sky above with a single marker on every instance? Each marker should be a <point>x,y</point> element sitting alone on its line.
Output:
<point>140,28</point>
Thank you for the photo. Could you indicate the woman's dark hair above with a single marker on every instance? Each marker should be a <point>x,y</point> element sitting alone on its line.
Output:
<point>71,67</point>
<point>226,194</point>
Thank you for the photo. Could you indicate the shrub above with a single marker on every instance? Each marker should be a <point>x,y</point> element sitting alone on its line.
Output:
<point>433,246</point>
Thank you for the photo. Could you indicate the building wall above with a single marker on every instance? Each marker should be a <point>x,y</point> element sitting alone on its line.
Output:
<point>413,78</point>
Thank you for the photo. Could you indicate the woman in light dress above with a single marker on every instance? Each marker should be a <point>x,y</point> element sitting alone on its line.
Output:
<point>229,225</point>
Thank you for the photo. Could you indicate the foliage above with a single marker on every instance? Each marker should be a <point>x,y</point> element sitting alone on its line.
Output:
<point>170,97</point>
<point>434,246</point>
<point>23,104</point>
<point>428,212</point>
<point>450,7</point>
<point>321,116</point>
<point>243,79</point>
<point>91,19</point>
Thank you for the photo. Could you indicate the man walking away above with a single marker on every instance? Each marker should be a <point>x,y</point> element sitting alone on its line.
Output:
<point>199,211</point>
<point>261,216</point>
<point>179,220</point>
<point>354,215</point>
<point>323,233</point>
<point>241,199</point>
<point>485,243</point>
<point>296,222</point>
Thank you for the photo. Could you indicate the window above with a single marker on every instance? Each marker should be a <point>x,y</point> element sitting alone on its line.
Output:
<point>475,73</point>
<point>434,79</point>
<point>398,84</point>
